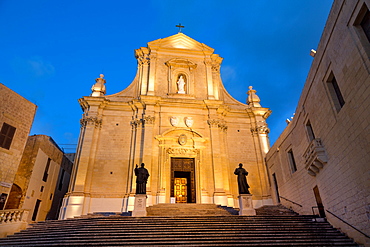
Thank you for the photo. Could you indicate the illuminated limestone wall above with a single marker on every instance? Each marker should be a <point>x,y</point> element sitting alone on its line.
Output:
<point>329,136</point>
<point>176,107</point>
<point>19,113</point>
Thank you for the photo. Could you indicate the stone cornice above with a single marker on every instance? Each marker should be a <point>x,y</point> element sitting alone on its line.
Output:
<point>87,101</point>
<point>260,111</point>
<point>181,63</point>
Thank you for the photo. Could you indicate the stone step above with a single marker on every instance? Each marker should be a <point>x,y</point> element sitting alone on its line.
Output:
<point>133,228</point>
<point>186,209</point>
<point>224,234</point>
<point>184,242</point>
<point>282,230</point>
<point>275,210</point>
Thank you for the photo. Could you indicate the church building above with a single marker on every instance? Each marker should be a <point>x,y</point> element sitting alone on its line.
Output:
<point>177,118</point>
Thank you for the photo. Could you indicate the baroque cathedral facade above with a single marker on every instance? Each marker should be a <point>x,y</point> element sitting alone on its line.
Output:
<point>177,118</point>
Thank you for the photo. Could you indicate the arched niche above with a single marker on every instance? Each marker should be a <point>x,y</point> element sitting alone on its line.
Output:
<point>178,67</point>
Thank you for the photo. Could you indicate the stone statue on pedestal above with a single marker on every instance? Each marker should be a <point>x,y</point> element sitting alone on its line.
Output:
<point>242,180</point>
<point>98,89</point>
<point>142,176</point>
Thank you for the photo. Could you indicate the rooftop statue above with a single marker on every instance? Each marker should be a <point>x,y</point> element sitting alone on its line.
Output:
<point>98,89</point>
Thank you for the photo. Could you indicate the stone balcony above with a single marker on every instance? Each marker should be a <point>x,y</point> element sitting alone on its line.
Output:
<point>315,157</point>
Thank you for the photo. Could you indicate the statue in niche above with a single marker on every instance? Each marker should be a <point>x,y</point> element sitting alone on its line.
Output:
<point>142,176</point>
<point>181,85</point>
<point>242,180</point>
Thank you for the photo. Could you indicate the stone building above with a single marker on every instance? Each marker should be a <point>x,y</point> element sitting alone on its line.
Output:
<point>16,118</point>
<point>321,162</point>
<point>42,179</point>
<point>178,119</point>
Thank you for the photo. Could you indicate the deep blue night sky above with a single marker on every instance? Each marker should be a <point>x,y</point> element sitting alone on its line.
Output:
<point>52,51</point>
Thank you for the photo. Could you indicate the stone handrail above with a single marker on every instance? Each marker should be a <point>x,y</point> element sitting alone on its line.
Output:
<point>291,201</point>
<point>348,224</point>
<point>13,215</point>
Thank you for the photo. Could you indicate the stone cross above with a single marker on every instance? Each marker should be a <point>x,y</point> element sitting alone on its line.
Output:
<point>179,26</point>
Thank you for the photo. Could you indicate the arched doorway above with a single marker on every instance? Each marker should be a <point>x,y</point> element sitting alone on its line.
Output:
<point>15,197</point>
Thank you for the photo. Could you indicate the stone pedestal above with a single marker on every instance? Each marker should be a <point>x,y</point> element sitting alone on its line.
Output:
<point>246,205</point>
<point>139,206</point>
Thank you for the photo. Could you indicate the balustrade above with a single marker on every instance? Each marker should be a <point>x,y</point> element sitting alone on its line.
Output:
<point>13,215</point>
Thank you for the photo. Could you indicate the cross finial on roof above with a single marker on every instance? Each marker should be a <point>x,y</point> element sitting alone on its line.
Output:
<point>179,26</point>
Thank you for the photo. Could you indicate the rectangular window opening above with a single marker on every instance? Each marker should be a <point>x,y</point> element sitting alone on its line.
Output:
<point>365,22</point>
<point>335,93</point>
<point>293,166</point>
<point>310,134</point>
<point>6,135</point>
<point>45,177</point>
<point>36,209</point>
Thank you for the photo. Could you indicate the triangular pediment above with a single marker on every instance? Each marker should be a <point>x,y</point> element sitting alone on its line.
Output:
<point>179,41</point>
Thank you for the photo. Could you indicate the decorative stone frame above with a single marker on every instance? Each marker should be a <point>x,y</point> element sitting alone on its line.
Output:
<point>170,148</point>
<point>177,67</point>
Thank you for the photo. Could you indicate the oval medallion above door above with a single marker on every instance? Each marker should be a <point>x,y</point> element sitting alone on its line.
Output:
<point>182,139</point>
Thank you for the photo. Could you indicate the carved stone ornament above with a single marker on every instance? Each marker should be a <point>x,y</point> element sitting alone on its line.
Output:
<point>91,121</point>
<point>142,56</point>
<point>182,139</point>
<point>137,123</point>
<point>216,62</point>
<point>189,121</point>
<point>214,123</point>
<point>181,151</point>
<point>260,130</point>
<point>149,119</point>
<point>174,121</point>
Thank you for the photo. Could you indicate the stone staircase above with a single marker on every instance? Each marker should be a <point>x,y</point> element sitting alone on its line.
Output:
<point>186,209</point>
<point>184,225</point>
<point>275,210</point>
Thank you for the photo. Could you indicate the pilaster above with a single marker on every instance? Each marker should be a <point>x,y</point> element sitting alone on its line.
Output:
<point>143,59</point>
<point>209,78</point>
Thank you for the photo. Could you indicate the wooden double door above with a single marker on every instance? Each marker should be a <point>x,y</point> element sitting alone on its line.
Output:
<point>183,180</point>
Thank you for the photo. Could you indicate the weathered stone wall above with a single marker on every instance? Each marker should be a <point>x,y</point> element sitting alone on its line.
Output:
<point>19,113</point>
<point>337,161</point>
<point>30,174</point>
